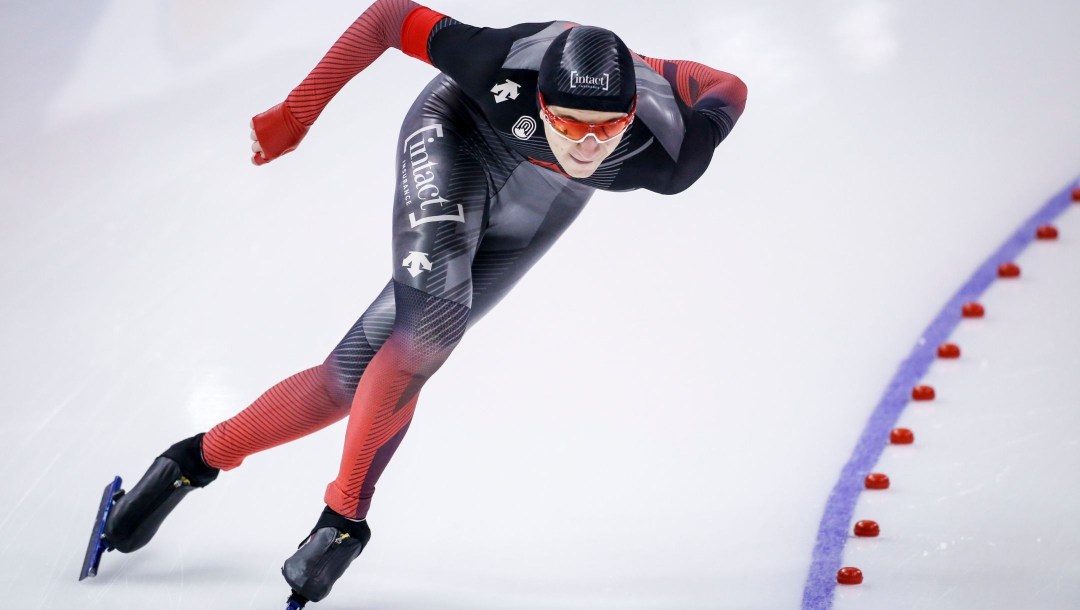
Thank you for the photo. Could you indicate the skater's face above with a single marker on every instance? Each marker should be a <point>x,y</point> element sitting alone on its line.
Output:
<point>580,159</point>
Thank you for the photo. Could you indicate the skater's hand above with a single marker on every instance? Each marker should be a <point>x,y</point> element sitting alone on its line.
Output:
<point>274,133</point>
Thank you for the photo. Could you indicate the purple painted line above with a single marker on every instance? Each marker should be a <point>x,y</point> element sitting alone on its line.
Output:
<point>833,530</point>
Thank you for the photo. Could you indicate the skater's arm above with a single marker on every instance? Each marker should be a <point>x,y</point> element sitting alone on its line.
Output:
<point>717,96</point>
<point>711,102</point>
<point>401,24</point>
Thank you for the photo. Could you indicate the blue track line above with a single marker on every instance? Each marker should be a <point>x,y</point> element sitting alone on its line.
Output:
<point>833,530</point>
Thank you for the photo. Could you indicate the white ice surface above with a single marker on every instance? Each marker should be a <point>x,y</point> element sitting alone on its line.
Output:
<point>981,510</point>
<point>653,419</point>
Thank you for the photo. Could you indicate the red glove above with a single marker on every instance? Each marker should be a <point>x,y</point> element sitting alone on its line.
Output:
<point>277,132</point>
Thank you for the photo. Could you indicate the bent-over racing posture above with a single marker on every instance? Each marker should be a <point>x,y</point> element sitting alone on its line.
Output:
<point>495,159</point>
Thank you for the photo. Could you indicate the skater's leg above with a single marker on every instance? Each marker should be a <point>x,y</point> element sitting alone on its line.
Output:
<point>539,206</point>
<point>511,244</point>
<point>314,398</point>
<point>291,409</point>
<point>426,330</point>
<point>301,404</point>
<point>439,215</point>
<point>347,363</point>
<point>440,212</point>
<point>528,214</point>
<point>306,402</point>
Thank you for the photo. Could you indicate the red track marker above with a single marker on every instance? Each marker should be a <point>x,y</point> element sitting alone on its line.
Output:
<point>901,436</point>
<point>973,310</point>
<point>1046,232</point>
<point>1008,270</point>
<point>849,576</point>
<point>877,480</point>
<point>948,350</point>
<point>922,393</point>
<point>867,529</point>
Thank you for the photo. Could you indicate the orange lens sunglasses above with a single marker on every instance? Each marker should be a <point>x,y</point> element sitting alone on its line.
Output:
<point>577,131</point>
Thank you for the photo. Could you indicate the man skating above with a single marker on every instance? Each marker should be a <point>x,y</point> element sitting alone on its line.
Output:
<point>496,158</point>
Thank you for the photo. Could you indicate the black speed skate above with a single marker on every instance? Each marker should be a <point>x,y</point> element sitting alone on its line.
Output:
<point>323,557</point>
<point>127,521</point>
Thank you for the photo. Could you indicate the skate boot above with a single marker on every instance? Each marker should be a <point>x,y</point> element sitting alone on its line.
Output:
<point>136,515</point>
<point>323,557</point>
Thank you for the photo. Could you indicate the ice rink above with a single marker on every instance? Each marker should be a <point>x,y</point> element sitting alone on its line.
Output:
<point>668,413</point>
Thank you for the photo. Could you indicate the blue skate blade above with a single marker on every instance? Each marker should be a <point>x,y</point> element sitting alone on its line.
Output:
<point>98,544</point>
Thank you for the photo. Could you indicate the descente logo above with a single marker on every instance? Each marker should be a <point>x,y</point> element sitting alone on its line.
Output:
<point>593,82</point>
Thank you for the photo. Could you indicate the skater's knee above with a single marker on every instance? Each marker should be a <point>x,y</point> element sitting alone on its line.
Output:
<point>340,379</point>
<point>427,325</point>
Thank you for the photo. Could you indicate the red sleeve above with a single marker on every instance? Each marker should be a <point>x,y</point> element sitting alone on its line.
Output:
<point>376,30</point>
<point>717,99</point>
<point>401,24</point>
<point>699,84</point>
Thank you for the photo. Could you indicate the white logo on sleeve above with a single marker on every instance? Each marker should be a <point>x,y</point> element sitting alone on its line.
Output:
<point>417,262</point>
<point>506,91</point>
<point>524,128</point>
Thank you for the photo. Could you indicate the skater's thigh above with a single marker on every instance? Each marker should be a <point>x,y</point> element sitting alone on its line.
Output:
<point>347,362</point>
<point>441,201</point>
<point>439,209</point>
<point>527,215</point>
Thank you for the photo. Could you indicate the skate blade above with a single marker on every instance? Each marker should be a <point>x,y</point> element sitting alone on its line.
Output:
<point>295,603</point>
<point>98,545</point>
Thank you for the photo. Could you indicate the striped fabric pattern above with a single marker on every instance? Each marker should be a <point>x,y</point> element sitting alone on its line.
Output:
<point>425,332</point>
<point>291,409</point>
<point>308,401</point>
<point>373,32</point>
<point>695,82</point>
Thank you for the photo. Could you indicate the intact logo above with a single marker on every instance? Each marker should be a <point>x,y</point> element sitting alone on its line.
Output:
<point>524,128</point>
<point>418,172</point>
<point>592,82</point>
<point>506,91</point>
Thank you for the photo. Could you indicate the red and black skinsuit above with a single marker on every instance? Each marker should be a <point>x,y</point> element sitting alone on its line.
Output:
<point>479,198</point>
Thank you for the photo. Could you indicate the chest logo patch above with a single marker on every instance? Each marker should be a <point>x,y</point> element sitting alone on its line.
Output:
<point>524,128</point>
<point>506,91</point>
